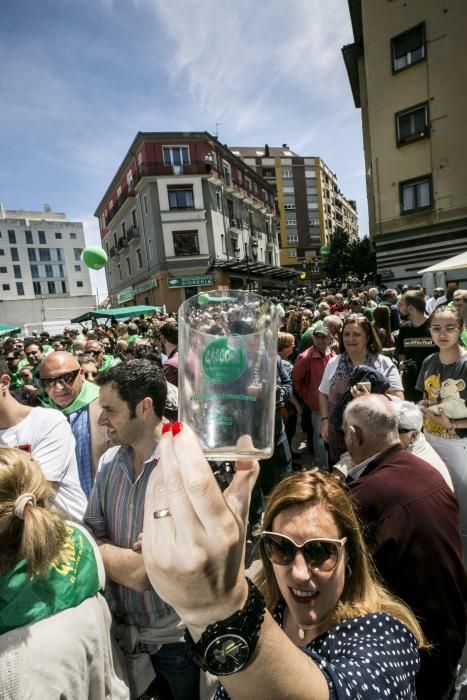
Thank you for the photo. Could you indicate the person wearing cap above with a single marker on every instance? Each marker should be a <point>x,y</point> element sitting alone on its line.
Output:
<point>306,377</point>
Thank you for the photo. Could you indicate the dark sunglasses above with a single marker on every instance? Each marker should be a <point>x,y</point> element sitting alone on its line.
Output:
<point>405,430</point>
<point>319,553</point>
<point>67,378</point>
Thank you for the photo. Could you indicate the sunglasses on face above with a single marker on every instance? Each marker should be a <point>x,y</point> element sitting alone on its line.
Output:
<point>319,553</point>
<point>66,379</point>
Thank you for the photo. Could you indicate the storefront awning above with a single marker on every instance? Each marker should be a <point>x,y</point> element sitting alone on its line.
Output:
<point>254,268</point>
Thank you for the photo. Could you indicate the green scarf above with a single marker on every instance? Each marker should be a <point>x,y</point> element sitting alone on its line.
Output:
<point>108,361</point>
<point>73,577</point>
<point>89,392</point>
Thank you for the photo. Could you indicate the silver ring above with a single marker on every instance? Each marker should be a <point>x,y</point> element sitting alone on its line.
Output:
<point>163,513</point>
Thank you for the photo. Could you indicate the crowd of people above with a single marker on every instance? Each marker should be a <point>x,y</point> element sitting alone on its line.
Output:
<point>123,551</point>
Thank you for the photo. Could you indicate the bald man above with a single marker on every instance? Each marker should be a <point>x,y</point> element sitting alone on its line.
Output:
<point>410,520</point>
<point>63,381</point>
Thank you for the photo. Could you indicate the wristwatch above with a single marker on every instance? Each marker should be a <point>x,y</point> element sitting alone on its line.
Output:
<point>226,647</point>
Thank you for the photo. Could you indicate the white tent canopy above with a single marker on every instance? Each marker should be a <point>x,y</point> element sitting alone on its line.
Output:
<point>454,263</point>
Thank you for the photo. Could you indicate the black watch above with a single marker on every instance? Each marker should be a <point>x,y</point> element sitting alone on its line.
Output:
<point>226,647</point>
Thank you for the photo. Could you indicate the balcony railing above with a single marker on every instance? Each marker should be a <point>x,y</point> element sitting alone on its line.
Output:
<point>204,167</point>
<point>133,234</point>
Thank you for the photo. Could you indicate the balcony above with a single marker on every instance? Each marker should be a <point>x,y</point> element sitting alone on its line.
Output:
<point>112,252</point>
<point>235,224</point>
<point>133,234</point>
<point>122,243</point>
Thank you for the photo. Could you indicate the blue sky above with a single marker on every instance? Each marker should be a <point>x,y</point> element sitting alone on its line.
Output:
<point>79,78</point>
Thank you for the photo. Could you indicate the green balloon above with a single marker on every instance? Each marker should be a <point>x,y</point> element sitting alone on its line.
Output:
<point>94,257</point>
<point>324,251</point>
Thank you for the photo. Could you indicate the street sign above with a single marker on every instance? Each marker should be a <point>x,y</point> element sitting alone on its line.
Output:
<point>197,281</point>
<point>324,251</point>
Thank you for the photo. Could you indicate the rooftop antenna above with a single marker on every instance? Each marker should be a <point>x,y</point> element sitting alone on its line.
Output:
<point>218,124</point>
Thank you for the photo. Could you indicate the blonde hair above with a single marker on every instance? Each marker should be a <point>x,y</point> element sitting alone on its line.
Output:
<point>39,535</point>
<point>362,593</point>
<point>284,340</point>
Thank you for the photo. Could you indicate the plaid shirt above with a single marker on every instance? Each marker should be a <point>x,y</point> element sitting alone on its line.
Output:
<point>115,511</point>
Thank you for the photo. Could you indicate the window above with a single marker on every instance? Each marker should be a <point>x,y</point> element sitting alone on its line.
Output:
<point>269,172</point>
<point>63,287</point>
<point>57,254</point>
<point>286,174</point>
<point>37,287</point>
<point>291,222</point>
<point>34,271</point>
<point>289,207</point>
<point>145,200</point>
<point>292,238</point>
<point>14,254</point>
<point>49,271</point>
<point>310,173</point>
<point>32,254</point>
<point>133,217</point>
<point>73,236</point>
<point>177,156</point>
<point>185,242</point>
<point>150,248</point>
<point>119,268</point>
<point>17,271</point>
<point>223,243</point>
<point>140,259</point>
<point>79,284</point>
<point>128,265</point>
<point>412,124</point>
<point>292,253</point>
<point>181,198</point>
<point>416,194</point>
<point>77,268</point>
<point>313,222</point>
<point>41,237</point>
<point>408,48</point>
<point>77,253</point>
<point>6,287</point>
<point>123,229</point>
<point>11,237</point>
<point>2,252</point>
<point>28,235</point>
<point>3,269</point>
<point>58,236</point>
<point>20,289</point>
<point>51,287</point>
<point>44,254</point>
<point>218,200</point>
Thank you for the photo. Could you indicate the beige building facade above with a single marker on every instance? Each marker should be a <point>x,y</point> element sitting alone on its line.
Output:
<point>408,73</point>
<point>309,203</point>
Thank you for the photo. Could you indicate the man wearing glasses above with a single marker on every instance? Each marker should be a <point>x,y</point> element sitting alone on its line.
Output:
<point>96,350</point>
<point>46,436</point>
<point>63,381</point>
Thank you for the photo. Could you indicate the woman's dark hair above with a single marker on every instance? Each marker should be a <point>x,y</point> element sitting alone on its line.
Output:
<point>444,308</point>
<point>135,381</point>
<point>382,319</point>
<point>143,351</point>
<point>373,342</point>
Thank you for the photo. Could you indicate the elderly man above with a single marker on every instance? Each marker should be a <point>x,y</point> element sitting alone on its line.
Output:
<point>63,381</point>
<point>411,523</point>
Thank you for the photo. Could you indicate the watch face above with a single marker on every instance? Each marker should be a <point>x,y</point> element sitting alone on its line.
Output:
<point>226,654</point>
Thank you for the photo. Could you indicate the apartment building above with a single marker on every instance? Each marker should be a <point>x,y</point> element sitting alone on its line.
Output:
<point>42,277</point>
<point>408,71</point>
<point>309,203</point>
<point>182,214</point>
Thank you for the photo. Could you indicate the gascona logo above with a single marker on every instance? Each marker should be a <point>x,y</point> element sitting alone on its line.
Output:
<point>222,362</point>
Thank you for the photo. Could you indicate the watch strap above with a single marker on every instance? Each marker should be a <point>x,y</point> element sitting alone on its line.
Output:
<point>245,622</point>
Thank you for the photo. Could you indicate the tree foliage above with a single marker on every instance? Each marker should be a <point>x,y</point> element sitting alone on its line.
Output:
<point>354,259</point>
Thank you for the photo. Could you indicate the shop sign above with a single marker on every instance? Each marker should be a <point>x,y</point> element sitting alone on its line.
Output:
<point>196,281</point>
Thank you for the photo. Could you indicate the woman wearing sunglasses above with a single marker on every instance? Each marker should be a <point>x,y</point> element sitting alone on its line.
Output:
<point>443,380</point>
<point>315,624</point>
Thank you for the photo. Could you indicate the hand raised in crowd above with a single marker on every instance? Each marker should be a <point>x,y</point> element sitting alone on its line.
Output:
<point>194,557</point>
